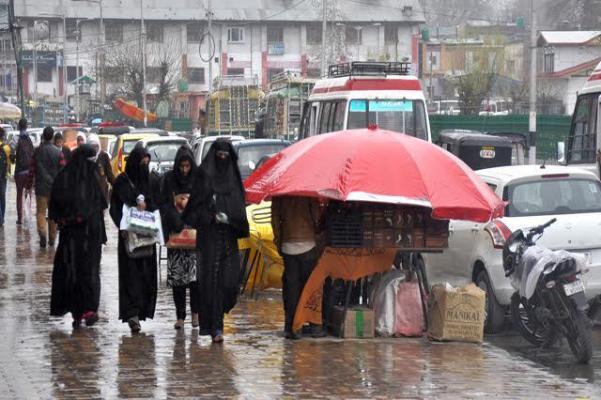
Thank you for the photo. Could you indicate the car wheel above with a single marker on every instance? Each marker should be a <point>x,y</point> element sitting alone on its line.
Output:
<point>495,313</point>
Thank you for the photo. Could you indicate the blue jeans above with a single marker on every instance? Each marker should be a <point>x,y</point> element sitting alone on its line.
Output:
<point>2,200</point>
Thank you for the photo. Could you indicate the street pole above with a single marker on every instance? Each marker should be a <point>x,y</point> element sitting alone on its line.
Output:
<point>209,41</point>
<point>35,64</point>
<point>15,36</point>
<point>324,29</point>
<point>533,69</point>
<point>102,64</point>
<point>77,69</point>
<point>64,68</point>
<point>143,31</point>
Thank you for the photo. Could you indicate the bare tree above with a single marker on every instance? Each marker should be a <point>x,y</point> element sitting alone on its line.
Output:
<point>124,69</point>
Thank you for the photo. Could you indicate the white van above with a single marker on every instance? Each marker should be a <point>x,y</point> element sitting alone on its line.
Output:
<point>359,94</point>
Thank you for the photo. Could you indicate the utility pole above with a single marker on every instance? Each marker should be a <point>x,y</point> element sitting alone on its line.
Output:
<point>35,63</point>
<point>209,41</point>
<point>77,38</point>
<point>102,62</point>
<point>16,40</point>
<point>65,87</point>
<point>324,29</point>
<point>533,69</point>
<point>143,31</point>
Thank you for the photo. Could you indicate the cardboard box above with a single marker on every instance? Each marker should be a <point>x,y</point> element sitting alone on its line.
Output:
<point>457,314</point>
<point>359,322</point>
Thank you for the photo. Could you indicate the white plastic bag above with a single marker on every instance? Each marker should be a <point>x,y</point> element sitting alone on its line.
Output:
<point>142,222</point>
<point>384,302</point>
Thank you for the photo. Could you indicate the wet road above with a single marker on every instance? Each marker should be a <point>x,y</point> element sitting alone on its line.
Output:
<point>42,357</point>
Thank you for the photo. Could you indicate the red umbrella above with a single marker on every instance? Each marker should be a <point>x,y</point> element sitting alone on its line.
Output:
<point>133,112</point>
<point>377,166</point>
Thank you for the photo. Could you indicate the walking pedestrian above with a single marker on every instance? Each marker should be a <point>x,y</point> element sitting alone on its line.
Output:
<point>22,159</point>
<point>77,205</point>
<point>59,142</point>
<point>45,164</point>
<point>137,276</point>
<point>103,162</point>
<point>295,222</point>
<point>217,210</point>
<point>4,172</point>
<point>81,139</point>
<point>181,263</point>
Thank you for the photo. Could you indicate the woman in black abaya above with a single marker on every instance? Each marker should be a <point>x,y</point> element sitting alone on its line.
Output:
<point>77,205</point>
<point>137,276</point>
<point>217,210</point>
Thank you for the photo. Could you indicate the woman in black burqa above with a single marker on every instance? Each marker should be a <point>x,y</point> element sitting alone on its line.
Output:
<point>182,272</point>
<point>77,205</point>
<point>217,210</point>
<point>137,276</point>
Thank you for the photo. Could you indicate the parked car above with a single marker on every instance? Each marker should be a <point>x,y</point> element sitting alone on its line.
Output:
<point>476,149</point>
<point>534,195</point>
<point>201,145</point>
<point>162,152</point>
<point>123,146</point>
<point>252,151</point>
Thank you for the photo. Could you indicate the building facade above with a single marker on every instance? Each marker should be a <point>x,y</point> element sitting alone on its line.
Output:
<point>254,38</point>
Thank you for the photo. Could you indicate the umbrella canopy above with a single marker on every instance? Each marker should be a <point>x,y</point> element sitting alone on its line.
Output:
<point>376,166</point>
<point>9,111</point>
<point>131,111</point>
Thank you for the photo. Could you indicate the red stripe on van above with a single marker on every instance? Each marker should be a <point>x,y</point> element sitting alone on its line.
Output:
<point>595,77</point>
<point>372,84</point>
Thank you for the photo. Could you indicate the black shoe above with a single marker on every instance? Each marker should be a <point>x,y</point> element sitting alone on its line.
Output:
<point>51,243</point>
<point>134,325</point>
<point>292,336</point>
<point>317,331</point>
<point>43,242</point>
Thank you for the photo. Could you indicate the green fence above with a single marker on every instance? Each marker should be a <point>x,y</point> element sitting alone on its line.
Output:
<point>551,128</point>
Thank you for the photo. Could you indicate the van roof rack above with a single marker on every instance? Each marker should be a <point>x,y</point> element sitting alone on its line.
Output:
<point>363,68</point>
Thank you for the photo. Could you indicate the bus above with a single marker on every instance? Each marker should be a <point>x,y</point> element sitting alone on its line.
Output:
<point>584,140</point>
<point>359,94</point>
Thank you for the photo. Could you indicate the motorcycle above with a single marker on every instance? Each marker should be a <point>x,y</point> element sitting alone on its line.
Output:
<point>549,302</point>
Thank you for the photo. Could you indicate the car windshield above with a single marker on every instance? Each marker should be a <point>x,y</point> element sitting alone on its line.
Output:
<point>165,151</point>
<point>128,145</point>
<point>255,153</point>
<point>405,116</point>
<point>553,197</point>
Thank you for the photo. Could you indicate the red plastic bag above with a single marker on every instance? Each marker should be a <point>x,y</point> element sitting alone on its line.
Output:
<point>409,314</point>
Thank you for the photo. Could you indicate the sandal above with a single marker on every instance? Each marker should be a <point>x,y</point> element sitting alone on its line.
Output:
<point>179,324</point>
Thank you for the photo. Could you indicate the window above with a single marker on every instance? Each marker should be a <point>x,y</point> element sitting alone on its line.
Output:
<point>235,35</point>
<point>271,72</point>
<point>114,32</point>
<point>314,34</point>
<point>44,73</point>
<point>404,116</point>
<point>196,75</point>
<point>235,71</point>
<point>275,34</point>
<point>154,32</point>
<point>72,73</point>
<point>338,119</point>
<point>324,117</point>
<point>193,33</point>
<point>113,74</point>
<point>353,35</point>
<point>582,143</point>
<point>71,30</point>
<point>549,62</point>
<point>391,34</point>
<point>153,74</point>
<point>553,197</point>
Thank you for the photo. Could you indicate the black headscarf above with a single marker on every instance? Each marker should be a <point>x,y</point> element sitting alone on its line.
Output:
<point>183,184</point>
<point>218,187</point>
<point>76,192</point>
<point>138,174</point>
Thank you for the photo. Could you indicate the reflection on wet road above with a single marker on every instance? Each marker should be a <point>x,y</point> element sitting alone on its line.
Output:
<point>43,357</point>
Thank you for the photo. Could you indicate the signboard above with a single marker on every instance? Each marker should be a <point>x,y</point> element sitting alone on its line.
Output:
<point>488,152</point>
<point>276,48</point>
<point>42,57</point>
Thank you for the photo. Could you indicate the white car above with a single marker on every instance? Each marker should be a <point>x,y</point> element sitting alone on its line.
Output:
<point>201,146</point>
<point>534,195</point>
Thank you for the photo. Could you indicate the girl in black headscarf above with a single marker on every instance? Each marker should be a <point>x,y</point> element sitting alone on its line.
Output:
<point>181,263</point>
<point>137,276</point>
<point>217,210</point>
<point>77,205</point>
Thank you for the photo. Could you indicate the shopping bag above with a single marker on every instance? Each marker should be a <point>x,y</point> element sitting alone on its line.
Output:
<point>384,300</point>
<point>409,313</point>
<point>142,222</point>
<point>186,239</point>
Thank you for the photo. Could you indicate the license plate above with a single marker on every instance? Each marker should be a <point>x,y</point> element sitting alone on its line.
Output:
<point>573,288</point>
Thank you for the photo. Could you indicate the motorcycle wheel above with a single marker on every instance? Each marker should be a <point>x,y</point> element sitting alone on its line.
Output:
<point>532,330</point>
<point>578,332</point>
